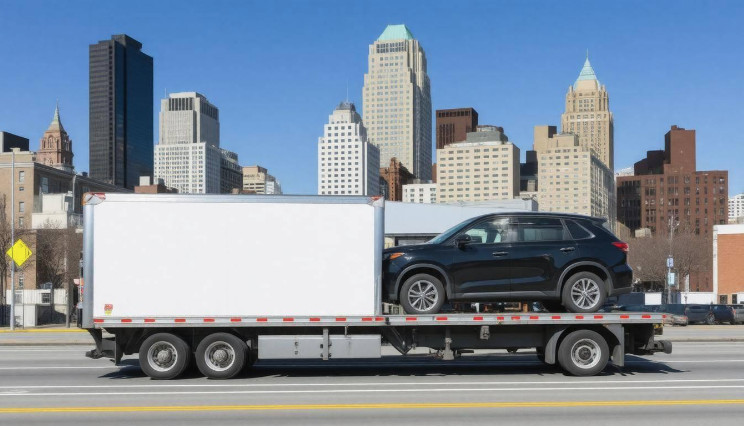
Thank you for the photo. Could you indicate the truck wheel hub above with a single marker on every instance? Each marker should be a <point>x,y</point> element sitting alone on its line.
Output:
<point>220,356</point>
<point>164,356</point>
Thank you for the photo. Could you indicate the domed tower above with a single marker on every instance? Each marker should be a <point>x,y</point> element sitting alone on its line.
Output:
<point>55,147</point>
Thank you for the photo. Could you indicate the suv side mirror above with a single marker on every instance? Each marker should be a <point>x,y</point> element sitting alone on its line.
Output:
<point>463,240</point>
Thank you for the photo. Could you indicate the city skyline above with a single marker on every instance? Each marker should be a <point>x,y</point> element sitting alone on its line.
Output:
<point>652,84</point>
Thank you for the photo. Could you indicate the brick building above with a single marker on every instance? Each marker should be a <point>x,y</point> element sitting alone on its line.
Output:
<point>392,179</point>
<point>728,271</point>
<point>454,124</point>
<point>667,185</point>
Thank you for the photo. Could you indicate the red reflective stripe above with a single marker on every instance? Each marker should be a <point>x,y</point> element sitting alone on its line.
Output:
<point>288,319</point>
<point>379,319</point>
<point>624,317</point>
<point>126,320</point>
<point>366,318</point>
<point>664,316</point>
<point>556,317</point>
<point>534,317</point>
<point>516,317</point>
<point>579,317</point>
<point>261,319</point>
<point>441,318</point>
<point>315,319</point>
<point>208,319</point>
<point>235,320</point>
<point>411,318</point>
<point>149,319</point>
<point>180,320</point>
<point>340,319</point>
<point>598,317</point>
<point>645,316</point>
<point>97,320</point>
<point>477,318</point>
<point>500,318</point>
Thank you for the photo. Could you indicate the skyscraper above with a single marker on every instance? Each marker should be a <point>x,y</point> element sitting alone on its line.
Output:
<point>588,115</point>
<point>347,163</point>
<point>570,177</point>
<point>55,147</point>
<point>454,124</point>
<point>188,156</point>
<point>397,101</point>
<point>120,98</point>
<point>484,167</point>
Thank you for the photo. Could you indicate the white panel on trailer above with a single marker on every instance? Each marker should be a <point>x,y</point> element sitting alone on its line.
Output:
<point>214,256</point>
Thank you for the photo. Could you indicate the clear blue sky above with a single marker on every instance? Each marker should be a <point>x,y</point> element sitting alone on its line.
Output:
<point>276,69</point>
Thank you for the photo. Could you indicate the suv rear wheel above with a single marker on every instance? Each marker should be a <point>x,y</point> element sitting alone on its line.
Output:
<point>422,294</point>
<point>584,292</point>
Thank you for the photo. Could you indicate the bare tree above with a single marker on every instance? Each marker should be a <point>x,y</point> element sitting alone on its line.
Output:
<point>647,256</point>
<point>57,258</point>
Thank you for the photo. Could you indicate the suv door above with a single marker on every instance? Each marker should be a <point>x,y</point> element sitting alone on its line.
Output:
<point>542,249</point>
<point>481,267</point>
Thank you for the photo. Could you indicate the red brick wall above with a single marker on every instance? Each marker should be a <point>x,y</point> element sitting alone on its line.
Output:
<point>730,264</point>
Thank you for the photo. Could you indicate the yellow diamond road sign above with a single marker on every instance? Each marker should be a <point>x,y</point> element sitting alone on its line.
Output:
<point>19,252</point>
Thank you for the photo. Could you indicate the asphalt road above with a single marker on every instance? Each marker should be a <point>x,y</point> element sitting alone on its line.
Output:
<point>699,383</point>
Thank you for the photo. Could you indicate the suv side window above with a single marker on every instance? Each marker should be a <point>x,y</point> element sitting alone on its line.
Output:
<point>490,231</point>
<point>535,229</point>
<point>577,231</point>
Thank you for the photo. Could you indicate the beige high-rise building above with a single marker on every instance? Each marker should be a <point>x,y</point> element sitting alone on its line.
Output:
<point>572,179</point>
<point>256,179</point>
<point>588,115</point>
<point>484,167</point>
<point>397,101</point>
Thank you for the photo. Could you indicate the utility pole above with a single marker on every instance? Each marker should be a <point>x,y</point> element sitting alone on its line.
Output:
<point>67,237</point>
<point>12,238</point>
<point>670,260</point>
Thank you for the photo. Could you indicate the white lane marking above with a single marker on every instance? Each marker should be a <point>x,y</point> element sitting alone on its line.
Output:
<point>401,390</point>
<point>281,385</point>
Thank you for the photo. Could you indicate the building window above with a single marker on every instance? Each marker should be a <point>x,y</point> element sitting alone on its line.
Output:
<point>21,176</point>
<point>21,207</point>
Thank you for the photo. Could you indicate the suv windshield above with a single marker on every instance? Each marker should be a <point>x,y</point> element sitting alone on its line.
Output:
<point>448,233</point>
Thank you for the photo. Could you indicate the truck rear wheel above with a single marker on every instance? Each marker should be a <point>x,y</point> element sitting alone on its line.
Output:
<point>164,356</point>
<point>221,356</point>
<point>583,353</point>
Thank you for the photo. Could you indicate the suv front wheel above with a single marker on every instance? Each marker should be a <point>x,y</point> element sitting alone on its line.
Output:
<point>584,292</point>
<point>422,294</point>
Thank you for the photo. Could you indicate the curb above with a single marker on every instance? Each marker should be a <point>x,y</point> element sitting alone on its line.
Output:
<point>41,330</point>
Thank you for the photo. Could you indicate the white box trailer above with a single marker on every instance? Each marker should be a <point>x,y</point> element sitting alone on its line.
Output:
<point>229,279</point>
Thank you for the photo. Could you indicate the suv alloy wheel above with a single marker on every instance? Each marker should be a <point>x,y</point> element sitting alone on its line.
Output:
<point>584,292</point>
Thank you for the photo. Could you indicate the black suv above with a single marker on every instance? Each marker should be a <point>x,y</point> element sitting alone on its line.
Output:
<point>559,259</point>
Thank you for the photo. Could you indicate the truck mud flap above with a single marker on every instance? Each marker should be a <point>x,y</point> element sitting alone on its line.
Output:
<point>105,347</point>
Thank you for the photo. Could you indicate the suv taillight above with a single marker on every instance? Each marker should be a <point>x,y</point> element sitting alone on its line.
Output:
<point>622,246</point>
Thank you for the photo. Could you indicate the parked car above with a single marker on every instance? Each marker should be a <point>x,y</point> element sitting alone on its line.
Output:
<point>701,314</point>
<point>738,314</point>
<point>559,259</point>
<point>723,313</point>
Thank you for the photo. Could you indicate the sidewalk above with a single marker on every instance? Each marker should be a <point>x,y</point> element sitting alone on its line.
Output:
<point>44,335</point>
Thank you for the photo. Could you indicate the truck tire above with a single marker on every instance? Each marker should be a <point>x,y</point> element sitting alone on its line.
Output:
<point>164,356</point>
<point>221,356</point>
<point>583,353</point>
<point>422,294</point>
<point>584,292</point>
